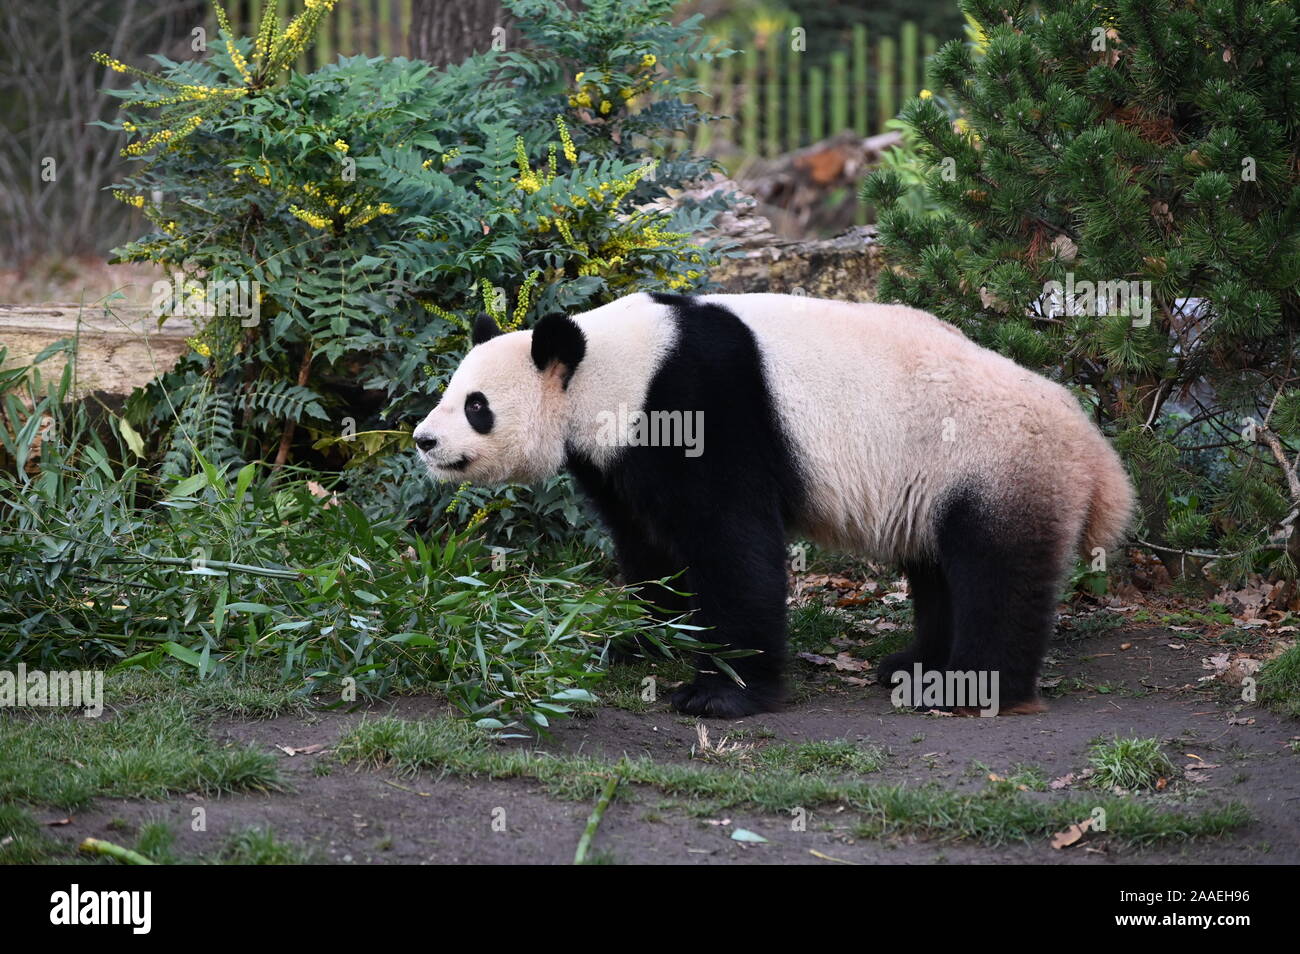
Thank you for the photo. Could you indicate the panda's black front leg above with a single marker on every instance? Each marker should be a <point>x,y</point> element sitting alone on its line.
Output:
<point>642,564</point>
<point>737,573</point>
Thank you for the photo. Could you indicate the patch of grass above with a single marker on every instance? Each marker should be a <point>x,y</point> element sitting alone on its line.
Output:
<point>992,816</point>
<point>995,816</point>
<point>260,846</point>
<point>1279,683</point>
<point>624,684</point>
<point>146,751</point>
<point>1097,623</point>
<point>251,694</point>
<point>1130,764</point>
<point>813,625</point>
<point>1215,614</point>
<point>156,842</point>
<point>828,756</point>
<point>1022,777</point>
<point>22,840</point>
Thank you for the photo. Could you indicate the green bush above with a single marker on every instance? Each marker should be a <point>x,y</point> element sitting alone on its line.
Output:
<point>379,205</point>
<point>1136,143</point>
<point>223,573</point>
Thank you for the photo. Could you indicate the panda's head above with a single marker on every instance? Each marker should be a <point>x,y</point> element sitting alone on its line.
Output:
<point>504,415</point>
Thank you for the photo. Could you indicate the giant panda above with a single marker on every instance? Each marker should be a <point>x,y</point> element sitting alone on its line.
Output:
<point>874,428</point>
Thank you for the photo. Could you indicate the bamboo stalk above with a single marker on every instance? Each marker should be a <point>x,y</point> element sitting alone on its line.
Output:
<point>908,41</point>
<point>816,105</point>
<point>704,131</point>
<point>211,564</point>
<point>772,97</point>
<point>793,96</point>
<point>593,822</point>
<point>323,51</point>
<point>860,57</point>
<point>885,80</point>
<point>749,103</point>
<point>95,846</point>
<point>839,92</point>
<point>727,103</point>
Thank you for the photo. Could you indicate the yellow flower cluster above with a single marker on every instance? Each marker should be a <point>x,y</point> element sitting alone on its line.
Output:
<point>570,152</point>
<point>612,191</point>
<point>261,173</point>
<point>313,219</point>
<point>341,146</point>
<point>522,300</point>
<point>241,64</point>
<point>163,137</point>
<point>135,200</point>
<point>445,158</point>
<point>455,498</point>
<point>117,66</point>
<point>528,181</point>
<point>442,313</point>
<point>590,94</point>
<point>367,213</point>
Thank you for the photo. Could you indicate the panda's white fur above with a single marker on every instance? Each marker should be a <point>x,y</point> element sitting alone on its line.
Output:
<point>889,406</point>
<point>886,416</point>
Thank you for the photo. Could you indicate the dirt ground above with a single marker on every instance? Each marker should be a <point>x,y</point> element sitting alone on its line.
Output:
<point>1153,688</point>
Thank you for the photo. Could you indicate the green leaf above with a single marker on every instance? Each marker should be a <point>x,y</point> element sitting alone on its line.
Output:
<point>133,440</point>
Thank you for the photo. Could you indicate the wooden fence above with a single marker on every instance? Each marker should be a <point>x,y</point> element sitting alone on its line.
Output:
<point>777,103</point>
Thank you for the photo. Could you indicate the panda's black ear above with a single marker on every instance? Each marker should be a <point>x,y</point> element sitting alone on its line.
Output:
<point>485,329</point>
<point>558,341</point>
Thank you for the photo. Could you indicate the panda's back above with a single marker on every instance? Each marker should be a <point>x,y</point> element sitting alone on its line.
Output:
<point>890,408</point>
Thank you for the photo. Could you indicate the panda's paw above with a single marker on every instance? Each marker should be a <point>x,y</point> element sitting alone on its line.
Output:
<point>896,662</point>
<point>725,700</point>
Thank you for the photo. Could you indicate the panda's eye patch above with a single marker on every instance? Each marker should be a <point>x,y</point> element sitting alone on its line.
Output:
<point>478,413</point>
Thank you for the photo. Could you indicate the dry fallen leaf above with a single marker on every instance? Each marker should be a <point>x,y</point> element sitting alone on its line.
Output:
<point>305,750</point>
<point>1071,835</point>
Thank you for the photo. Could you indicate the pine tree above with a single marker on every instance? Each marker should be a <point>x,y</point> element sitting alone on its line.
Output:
<point>1155,141</point>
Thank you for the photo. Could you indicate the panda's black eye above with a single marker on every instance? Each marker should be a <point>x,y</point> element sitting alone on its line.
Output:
<point>478,414</point>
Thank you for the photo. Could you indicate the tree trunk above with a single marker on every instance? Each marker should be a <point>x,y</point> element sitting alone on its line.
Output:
<point>444,32</point>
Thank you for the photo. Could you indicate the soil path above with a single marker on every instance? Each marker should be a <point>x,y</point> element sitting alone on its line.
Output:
<point>1151,689</point>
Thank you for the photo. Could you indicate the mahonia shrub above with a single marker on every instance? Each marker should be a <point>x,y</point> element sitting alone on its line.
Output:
<point>380,204</point>
<point>1118,204</point>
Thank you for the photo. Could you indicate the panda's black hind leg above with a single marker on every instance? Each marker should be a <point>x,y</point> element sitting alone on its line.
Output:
<point>932,614</point>
<point>1004,580</point>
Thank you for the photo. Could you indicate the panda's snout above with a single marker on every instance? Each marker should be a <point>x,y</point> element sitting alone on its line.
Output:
<point>426,443</point>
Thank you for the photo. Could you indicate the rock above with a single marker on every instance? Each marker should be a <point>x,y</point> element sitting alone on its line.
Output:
<point>844,267</point>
